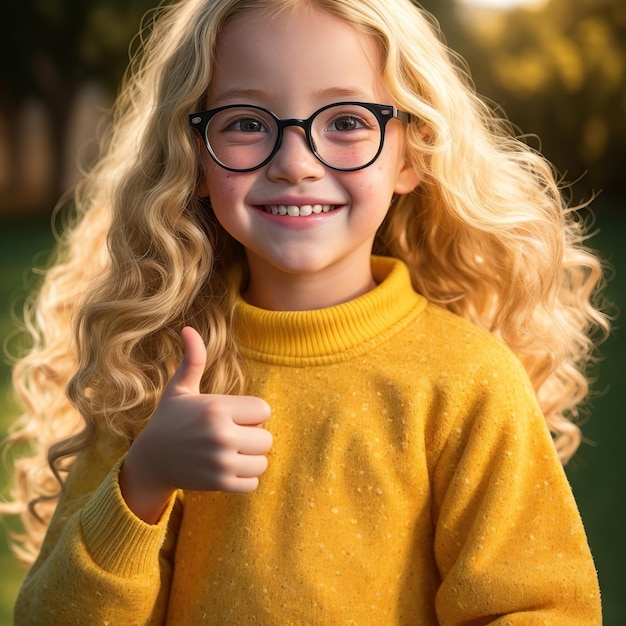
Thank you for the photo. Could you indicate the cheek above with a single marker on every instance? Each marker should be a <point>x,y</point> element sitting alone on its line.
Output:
<point>227,193</point>
<point>221,185</point>
<point>376,183</point>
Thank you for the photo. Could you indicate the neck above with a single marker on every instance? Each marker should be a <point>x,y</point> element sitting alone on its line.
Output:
<point>303,337</point>
<point>275,290</point>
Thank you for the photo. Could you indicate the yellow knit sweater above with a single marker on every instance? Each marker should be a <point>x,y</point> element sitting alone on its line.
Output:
<point>412,480</point>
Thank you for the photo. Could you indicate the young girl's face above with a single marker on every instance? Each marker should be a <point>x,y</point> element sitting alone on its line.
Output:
<point>293,64</point>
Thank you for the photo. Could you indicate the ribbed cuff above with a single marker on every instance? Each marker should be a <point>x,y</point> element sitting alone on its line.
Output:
<point>117,540</point>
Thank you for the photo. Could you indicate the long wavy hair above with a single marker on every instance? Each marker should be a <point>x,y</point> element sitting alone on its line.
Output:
<point>487,235</point>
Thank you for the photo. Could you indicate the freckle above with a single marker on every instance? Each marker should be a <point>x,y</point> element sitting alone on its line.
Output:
<point>358,535</point>
<point>335,511</point>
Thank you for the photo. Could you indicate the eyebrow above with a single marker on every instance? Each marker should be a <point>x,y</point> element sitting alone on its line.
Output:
<point>343,92</point>
<point>249,94</point>
<point>321,94</point>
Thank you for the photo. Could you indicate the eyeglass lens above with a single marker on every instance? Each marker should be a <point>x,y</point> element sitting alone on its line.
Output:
<point>345,136</point>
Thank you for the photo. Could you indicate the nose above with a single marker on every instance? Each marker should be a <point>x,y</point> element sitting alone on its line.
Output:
<point>294,161</point>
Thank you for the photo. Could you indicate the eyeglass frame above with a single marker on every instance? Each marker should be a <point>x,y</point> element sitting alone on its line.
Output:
<point>383,113</point>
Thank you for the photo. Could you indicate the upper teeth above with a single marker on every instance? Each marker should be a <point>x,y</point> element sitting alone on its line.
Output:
<point>295,211</point>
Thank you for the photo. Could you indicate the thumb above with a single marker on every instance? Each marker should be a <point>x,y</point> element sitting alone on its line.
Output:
<point>186,379</point>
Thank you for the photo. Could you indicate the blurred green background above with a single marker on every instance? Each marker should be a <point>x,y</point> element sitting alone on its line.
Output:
<point>558,70</point>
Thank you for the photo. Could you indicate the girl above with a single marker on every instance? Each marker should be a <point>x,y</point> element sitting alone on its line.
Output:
<point>264,422</point>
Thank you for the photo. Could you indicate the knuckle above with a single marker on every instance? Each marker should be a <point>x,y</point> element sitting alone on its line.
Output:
<point>225,438</point>
<point>215,407</point>
<point>220,433</point>
<point>225,464</point>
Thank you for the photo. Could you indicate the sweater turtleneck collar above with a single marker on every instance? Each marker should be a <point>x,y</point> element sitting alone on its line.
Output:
<point>334,333</point>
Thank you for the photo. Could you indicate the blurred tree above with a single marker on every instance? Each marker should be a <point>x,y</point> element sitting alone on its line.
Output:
<point>443,11</point>
<point>560,73</point>
<point>51,47</point>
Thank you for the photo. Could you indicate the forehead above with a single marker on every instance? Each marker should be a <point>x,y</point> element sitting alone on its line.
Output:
<point>298,52</point>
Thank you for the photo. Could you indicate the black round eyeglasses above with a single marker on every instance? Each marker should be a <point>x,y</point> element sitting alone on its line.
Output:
<point>345,136</point>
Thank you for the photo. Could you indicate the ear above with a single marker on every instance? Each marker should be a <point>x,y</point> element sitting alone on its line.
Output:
<point>407,179</point>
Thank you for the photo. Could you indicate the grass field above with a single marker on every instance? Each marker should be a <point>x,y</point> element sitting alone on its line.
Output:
<point>597,473</point>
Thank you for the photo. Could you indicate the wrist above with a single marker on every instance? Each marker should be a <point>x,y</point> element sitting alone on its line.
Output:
<point>144,495</point>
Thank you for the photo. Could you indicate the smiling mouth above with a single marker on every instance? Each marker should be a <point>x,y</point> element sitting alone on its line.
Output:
<point>298,211</point>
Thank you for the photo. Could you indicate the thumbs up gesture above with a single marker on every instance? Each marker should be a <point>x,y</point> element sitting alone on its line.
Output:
<point>195,441</point>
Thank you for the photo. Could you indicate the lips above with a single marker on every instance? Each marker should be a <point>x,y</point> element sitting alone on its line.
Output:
<point>293,210</point>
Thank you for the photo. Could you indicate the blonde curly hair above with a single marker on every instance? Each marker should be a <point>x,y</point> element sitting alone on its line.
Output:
<point>487,235</point>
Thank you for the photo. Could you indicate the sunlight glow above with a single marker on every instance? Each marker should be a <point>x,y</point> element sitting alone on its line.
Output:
<point>504,4</point>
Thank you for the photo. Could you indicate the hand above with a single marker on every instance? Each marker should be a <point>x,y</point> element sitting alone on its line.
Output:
<point>200,442</point>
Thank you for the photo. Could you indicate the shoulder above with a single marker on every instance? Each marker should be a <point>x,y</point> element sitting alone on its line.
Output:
<point>465,375</point>
<point>482,400</point>
<point>454,344</point>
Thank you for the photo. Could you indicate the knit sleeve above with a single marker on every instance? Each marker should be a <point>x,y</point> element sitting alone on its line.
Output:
<point>509,541</point>
<point>99,563</point>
